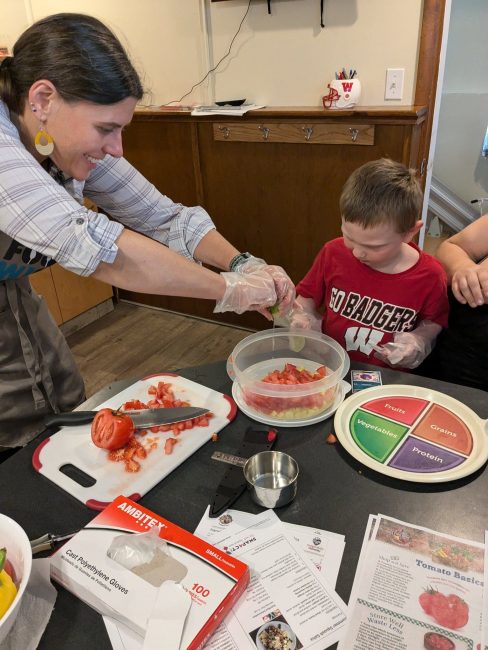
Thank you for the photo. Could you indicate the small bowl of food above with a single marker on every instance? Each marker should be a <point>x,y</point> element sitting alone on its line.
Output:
<point>288,375</point>
<point>16,563</point>
<point>276,635</point>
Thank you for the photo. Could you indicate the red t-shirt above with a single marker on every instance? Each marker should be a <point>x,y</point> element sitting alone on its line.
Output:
<point>364,307</point>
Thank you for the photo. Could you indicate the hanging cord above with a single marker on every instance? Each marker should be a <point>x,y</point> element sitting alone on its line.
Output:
<point>215,66</point>
<point>322,13</point>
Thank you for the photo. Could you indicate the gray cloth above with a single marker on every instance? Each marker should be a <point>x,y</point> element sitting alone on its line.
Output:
<point>38,373</point>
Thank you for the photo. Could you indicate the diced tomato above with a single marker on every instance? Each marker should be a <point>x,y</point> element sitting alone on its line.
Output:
<point>132,466</point>
<point>296,405</point>
<point>293,375</point>
<point>134,405</point>
<point>168,445</point>
<point>162,396</point>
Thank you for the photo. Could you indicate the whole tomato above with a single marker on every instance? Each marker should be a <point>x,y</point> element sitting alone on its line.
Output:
<point>451,611</point>
<point>111,429</point>
<point>425,600</point>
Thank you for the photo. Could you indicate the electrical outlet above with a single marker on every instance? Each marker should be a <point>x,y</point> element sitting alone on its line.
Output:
<point>394,83</point>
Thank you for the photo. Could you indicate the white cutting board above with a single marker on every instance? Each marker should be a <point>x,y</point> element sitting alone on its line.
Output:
<point>73,446</point>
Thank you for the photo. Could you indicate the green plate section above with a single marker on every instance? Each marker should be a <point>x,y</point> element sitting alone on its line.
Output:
<point>375,435</point>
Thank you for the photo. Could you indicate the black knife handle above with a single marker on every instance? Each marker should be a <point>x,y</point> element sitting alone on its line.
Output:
<point>234,483</point>
<point>70,419</point>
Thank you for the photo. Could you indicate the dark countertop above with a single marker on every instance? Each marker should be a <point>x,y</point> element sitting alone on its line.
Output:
<point>335,493</point>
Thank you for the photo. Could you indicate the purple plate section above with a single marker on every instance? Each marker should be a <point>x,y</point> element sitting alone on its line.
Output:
<point>418,456</point>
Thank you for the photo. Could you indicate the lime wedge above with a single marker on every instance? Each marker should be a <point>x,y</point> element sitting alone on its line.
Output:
<point>297,343</point>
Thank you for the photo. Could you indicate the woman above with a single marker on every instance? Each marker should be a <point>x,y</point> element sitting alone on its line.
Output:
<point>461,353</point>
<point>66,94</point>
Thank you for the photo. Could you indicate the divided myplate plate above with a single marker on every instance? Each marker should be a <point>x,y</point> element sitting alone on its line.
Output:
<point>73,446</point>
<point>412,433</point>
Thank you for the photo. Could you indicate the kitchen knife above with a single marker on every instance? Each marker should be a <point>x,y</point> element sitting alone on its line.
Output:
<point>233,484</point>
<point>142,418</point>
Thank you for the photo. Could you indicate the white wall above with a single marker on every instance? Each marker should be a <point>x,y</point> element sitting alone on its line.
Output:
<point>282,59</point>
<point>14,21</point>
<point>164,38</point>
<point>286,58</point>
<point>463,115</point>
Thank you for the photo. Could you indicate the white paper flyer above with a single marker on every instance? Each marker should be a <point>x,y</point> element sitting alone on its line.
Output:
<point>288,600</point>
<point>415,588</point>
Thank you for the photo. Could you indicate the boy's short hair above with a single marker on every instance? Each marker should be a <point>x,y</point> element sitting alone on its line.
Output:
<point>382,191</point>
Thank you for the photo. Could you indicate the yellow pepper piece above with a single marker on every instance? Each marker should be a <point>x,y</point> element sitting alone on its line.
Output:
<point>8,591</point>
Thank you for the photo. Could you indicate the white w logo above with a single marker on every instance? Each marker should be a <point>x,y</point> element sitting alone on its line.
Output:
<point>362,339</point>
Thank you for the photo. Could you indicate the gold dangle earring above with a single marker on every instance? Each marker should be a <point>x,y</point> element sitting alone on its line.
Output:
<point>43,142</point>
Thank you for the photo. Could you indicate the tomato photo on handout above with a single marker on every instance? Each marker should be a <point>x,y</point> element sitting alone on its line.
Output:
<point>450,611</point>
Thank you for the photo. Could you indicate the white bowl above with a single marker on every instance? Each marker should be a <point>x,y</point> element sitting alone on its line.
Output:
<point>19,553</point>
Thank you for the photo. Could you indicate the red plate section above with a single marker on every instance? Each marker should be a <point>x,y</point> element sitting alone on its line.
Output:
<point>399,408</point>
<point>443,427</point>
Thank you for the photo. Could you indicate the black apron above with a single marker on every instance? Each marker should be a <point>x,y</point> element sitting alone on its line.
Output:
<point>460,355</point>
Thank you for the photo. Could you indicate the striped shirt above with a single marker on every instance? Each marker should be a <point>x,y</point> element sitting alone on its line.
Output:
<point>43,219</point>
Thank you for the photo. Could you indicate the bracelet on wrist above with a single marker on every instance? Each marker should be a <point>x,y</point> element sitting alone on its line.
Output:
<point>238,260</point>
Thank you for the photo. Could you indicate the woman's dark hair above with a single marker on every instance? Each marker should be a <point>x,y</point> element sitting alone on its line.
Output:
<point>78,54</point>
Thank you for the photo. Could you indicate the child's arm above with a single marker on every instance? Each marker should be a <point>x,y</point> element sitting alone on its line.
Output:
<point>304,315</point>
<point>409,349</point>
<point>460,255</point>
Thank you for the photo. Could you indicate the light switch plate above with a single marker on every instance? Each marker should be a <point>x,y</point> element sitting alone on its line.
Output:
<point>394,83</point>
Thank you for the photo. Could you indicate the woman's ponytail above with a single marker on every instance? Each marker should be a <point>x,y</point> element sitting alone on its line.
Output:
<point>6,85</point>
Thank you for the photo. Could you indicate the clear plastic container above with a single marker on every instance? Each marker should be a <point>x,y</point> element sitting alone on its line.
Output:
<point>261,354</point>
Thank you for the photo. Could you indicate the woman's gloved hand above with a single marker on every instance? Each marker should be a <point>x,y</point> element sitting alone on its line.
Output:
<point>301,318</point>
<point>409,349</point>
<point>285,289</point>
<point>247,292</point>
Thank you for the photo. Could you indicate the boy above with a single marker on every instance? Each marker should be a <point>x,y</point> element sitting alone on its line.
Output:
<point>373,290</point>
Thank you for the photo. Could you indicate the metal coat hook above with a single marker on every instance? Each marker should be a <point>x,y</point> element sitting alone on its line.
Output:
<point>225,130</point>
<point>265,130</point>
<point>308,130</point>
<point>354,134</point>
<point>322,24</point>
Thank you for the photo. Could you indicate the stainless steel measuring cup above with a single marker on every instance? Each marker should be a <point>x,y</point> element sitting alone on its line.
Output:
<point>271,478</point>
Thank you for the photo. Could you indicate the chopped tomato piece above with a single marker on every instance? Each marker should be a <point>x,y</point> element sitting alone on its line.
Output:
<point>168,445</point>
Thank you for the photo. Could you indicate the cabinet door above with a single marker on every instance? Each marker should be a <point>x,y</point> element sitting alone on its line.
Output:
<point>67,294</point>
<point>77,294</point>
<point>42,282</point>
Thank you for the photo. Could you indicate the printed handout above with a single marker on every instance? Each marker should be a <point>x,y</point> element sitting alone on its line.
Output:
<point>415,588</point>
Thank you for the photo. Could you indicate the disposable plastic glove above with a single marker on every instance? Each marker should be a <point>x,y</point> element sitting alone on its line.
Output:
<point>409,349</point>
<point>302,319</point>
<point>285,289</point>
<point>249,292</point>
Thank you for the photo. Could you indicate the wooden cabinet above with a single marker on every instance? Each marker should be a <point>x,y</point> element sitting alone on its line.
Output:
<point>276,193</point>
<point>68,295</point>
